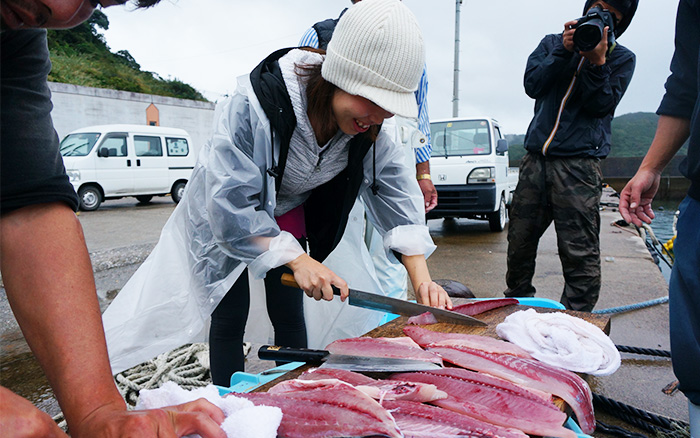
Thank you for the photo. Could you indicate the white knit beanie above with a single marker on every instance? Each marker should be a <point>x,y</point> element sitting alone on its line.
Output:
<point>377,52</point>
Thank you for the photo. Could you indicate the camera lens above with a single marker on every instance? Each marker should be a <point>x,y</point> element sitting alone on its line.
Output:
<point>587,36</point>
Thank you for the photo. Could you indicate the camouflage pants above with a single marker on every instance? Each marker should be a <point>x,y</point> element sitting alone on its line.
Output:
<point>566,191</point>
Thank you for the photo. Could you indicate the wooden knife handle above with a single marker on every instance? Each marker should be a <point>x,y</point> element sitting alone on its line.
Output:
<point>288,280</point>
<point>291,354</point>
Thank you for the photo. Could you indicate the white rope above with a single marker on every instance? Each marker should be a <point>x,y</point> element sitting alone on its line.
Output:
<point>188,366</point>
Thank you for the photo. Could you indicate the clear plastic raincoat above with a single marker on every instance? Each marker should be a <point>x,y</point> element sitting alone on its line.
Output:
<point>225,222</point>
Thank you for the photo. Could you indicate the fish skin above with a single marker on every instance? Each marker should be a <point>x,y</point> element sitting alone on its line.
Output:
<point>527,372</point>
<point>400,348</point>
<point>417,420</point>
<point>485,400</point>
<point>326,409</point>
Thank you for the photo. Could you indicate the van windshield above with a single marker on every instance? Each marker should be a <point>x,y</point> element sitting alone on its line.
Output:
<point>461,137</point>
<point>78,145</point>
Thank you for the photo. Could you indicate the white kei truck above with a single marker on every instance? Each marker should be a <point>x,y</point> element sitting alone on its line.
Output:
<point>114,161</point>
<point>471,171</point>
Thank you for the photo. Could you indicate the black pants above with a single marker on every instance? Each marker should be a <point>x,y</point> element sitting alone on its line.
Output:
<point>284,307</point>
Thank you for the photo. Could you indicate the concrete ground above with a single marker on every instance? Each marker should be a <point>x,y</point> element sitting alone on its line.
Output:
<point>121,234</point>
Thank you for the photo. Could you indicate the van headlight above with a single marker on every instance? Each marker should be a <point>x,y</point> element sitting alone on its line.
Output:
<point>74,175</point>
<point>482,175</point>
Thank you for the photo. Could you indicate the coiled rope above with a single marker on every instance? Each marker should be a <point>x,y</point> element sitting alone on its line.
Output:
<point>188,366</point>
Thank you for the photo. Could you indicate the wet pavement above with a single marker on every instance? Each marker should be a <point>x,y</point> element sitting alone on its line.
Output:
<point>121,234</point>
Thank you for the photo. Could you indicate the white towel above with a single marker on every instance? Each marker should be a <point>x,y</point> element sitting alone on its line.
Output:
<point>562,340</point>
<point>243,419</point>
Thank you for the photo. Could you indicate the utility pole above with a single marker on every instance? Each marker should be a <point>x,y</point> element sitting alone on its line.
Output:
<point>455,90</point>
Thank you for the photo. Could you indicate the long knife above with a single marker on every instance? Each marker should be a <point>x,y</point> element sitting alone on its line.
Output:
<point>327,359</point>
<point>394,305</point>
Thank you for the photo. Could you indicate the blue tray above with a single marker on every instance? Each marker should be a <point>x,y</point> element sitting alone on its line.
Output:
<point>245,382</point>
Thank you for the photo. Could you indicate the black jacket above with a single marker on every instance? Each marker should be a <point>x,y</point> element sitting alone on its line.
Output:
<point>682,97</point>
<point>328,208</point>
<point>582,129</point>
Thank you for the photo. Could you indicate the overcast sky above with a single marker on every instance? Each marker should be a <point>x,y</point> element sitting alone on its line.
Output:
<point>208,43</point>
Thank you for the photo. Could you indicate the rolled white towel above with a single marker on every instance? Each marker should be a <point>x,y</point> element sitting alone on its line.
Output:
<point>562,340</point>
<point>243,419</point>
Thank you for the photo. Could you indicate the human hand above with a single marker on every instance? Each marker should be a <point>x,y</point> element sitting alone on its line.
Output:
<point>19,418</point>
<point>429,194</point>
<point>316,280</point>
<point>196,417</point>
<point>597,55</point>
<point>568,35</point>
<point>433,295</point>
<point>636,197</point>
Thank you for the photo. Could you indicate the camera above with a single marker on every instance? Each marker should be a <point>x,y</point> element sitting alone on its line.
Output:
<point>589,29</point>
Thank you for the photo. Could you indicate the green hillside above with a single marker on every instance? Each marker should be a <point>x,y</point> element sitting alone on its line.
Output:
<point>80,56</point>
<point>631,137</point>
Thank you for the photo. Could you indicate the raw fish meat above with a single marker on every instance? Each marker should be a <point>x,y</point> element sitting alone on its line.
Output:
<point>470,309</point>
<point>401,348</point>
<point>417,420</point>
<point>325,409</point>
<point>528,372</point>
<point>379,389</point>
<point>495,401</point>
<point>425,337</point>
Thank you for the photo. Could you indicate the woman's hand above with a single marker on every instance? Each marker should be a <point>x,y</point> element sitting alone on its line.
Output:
<point>433,295</point>
<point>427,291</point>
<point>315,279</point>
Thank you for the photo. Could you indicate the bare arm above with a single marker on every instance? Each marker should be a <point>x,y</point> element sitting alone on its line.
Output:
<point>50,286</point>
<point>426,186</point>
<point>427,291</point>
<point>636,197</point>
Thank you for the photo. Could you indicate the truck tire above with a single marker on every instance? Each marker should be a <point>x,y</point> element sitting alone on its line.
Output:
<point>90,198</point>
<point>144,199</point>
<point>499,218</point>
<point>177,191</point>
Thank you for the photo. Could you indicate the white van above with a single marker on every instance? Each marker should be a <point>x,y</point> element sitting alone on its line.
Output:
<point>114,161</point>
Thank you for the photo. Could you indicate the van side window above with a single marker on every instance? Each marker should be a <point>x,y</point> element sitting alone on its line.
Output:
<point>116,145</point>
<point>147,146</point>
<point>177,147</point>
<point>497,133</point>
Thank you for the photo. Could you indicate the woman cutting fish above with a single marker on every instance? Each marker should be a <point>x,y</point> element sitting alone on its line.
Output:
<point>299,140</point>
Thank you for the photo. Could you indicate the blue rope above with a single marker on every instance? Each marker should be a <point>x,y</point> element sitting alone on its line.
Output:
<point>636,306</point>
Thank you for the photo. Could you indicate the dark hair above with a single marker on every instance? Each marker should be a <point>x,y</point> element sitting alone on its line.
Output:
<point>319,98</point>
<point>142,3</point>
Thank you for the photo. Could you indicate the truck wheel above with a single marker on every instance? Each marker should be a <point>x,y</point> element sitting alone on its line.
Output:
<point>90,198</point>
<point>498,219</point>
<point>144,199</point>
<point>178,191</point>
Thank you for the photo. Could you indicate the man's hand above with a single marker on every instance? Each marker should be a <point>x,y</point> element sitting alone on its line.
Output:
<point>315,279</point>
<point>568,35</point>
<point>636,197</point>
<point>429,194</point>
<point>196,417</point>
<point>19,418</point>
<point>597,55</point>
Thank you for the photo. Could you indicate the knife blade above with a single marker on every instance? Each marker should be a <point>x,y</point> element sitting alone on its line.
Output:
<point>378,302</point>
<point>326,359</point>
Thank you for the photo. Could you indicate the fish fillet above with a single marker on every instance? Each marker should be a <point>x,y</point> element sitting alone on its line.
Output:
<point>417,420</point>
<point>489,399</point>
<point>528,372</point>
<point>424,337</point>
<point>401,348</point>
<point>326,409</point>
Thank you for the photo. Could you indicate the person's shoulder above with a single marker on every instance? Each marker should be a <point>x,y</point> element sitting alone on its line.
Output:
<point>622,53</point>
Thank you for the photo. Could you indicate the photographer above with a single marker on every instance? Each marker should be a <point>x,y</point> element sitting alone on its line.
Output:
<point>575,94</point>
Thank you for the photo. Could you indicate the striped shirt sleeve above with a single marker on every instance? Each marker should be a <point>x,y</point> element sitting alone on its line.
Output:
<point>423,153</point>
<point>310,39</point>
